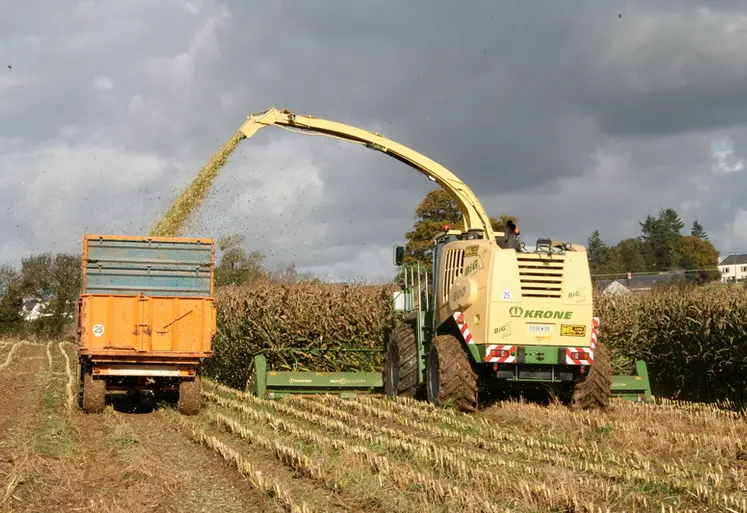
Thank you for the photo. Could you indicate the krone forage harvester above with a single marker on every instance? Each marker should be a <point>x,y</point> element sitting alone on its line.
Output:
<point>497,314</point>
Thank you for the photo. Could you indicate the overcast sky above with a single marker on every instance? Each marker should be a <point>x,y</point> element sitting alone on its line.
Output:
<point>564,114</point>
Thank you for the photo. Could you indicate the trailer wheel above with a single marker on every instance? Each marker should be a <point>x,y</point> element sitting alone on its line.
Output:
<point>449,375</point>
<point>93,393</point>
<point>595,391</point>
<point>190,396</point>
<point>401,366</point>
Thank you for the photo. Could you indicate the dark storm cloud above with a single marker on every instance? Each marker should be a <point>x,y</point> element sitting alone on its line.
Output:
<point>482,90</point>
<point>58,50</point>
<point>665,68</point>
<point>563,114</point>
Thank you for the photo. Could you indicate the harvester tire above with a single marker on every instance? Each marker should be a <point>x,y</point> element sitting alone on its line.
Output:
<point>449,376</point>
<point>596,390</point>
<point>93,392</point>
<point>190,396</point>
<point>401,366</point>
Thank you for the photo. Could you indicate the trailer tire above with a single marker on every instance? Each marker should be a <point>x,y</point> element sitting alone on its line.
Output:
<point>401,366</point>
<point>449,375</point>
<point>190,396</point>
<point>596,390</point>
<point>93,393</point>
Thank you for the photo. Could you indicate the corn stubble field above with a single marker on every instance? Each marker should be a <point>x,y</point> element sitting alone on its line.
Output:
<point>378,454</point>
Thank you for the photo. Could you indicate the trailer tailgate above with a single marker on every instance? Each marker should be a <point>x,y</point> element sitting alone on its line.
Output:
<point>179,326</point>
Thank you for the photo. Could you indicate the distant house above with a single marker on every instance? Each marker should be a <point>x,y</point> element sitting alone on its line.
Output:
<point>733,268</point>
<point>33,309</point>
<point>638,283</point>
<point>611,287</point>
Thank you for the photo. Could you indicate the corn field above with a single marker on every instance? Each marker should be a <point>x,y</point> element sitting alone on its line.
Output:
<point>694,340</point>
<point>371,453</point>
<point>271,317</point>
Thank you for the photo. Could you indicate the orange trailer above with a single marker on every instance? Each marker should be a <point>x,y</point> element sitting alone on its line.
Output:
<point>146,316</point>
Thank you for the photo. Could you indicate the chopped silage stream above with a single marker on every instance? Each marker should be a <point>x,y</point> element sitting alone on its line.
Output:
<point>172,223</point>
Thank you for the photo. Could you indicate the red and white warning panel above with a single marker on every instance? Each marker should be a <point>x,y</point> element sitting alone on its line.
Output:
<point>584,355</point>
<point>500,354</point>
<point>496,353</point>
<point>459,318</point>
<point>578,356</point>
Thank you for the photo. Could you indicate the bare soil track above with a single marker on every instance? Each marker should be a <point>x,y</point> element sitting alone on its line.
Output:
<point>370,454</point>
<point>57,459</point>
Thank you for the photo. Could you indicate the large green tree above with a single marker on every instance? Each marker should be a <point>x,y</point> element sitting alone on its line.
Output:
<point>66,286</point>
<point>11,301</point>
<point>434,211</point>
<point>599,254</point>
<point>437,209</point>
<point>8,276</point>
<point>661,238</point>
<point>631,256</point>
<point>698,231</point>
<point>700,257</point>
<point>661,247</point>
<point>54,282</point>
<point>237,266</point>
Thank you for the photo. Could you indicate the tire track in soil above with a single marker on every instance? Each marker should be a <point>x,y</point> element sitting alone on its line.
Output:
<point>195,478</point>
<point>74,481</point>
<point>21,387</point>
<point>304,489</point>
<point>156,470</point>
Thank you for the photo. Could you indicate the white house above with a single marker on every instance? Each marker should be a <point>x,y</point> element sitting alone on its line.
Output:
<point>33,309</point>
<point>733,268</point>
<point>612,287</point>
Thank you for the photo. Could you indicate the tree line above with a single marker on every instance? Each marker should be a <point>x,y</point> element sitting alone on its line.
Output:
<point>437,209</point>
<point>39,297</point>
<point>660,247</point>
<point>49,284</point>
<point>46,286</point>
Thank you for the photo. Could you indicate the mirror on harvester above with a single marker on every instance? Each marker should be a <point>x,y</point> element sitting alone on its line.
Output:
<point>399,255</point>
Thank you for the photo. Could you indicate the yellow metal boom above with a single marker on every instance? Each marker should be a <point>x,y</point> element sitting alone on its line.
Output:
<point>475,217</point>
